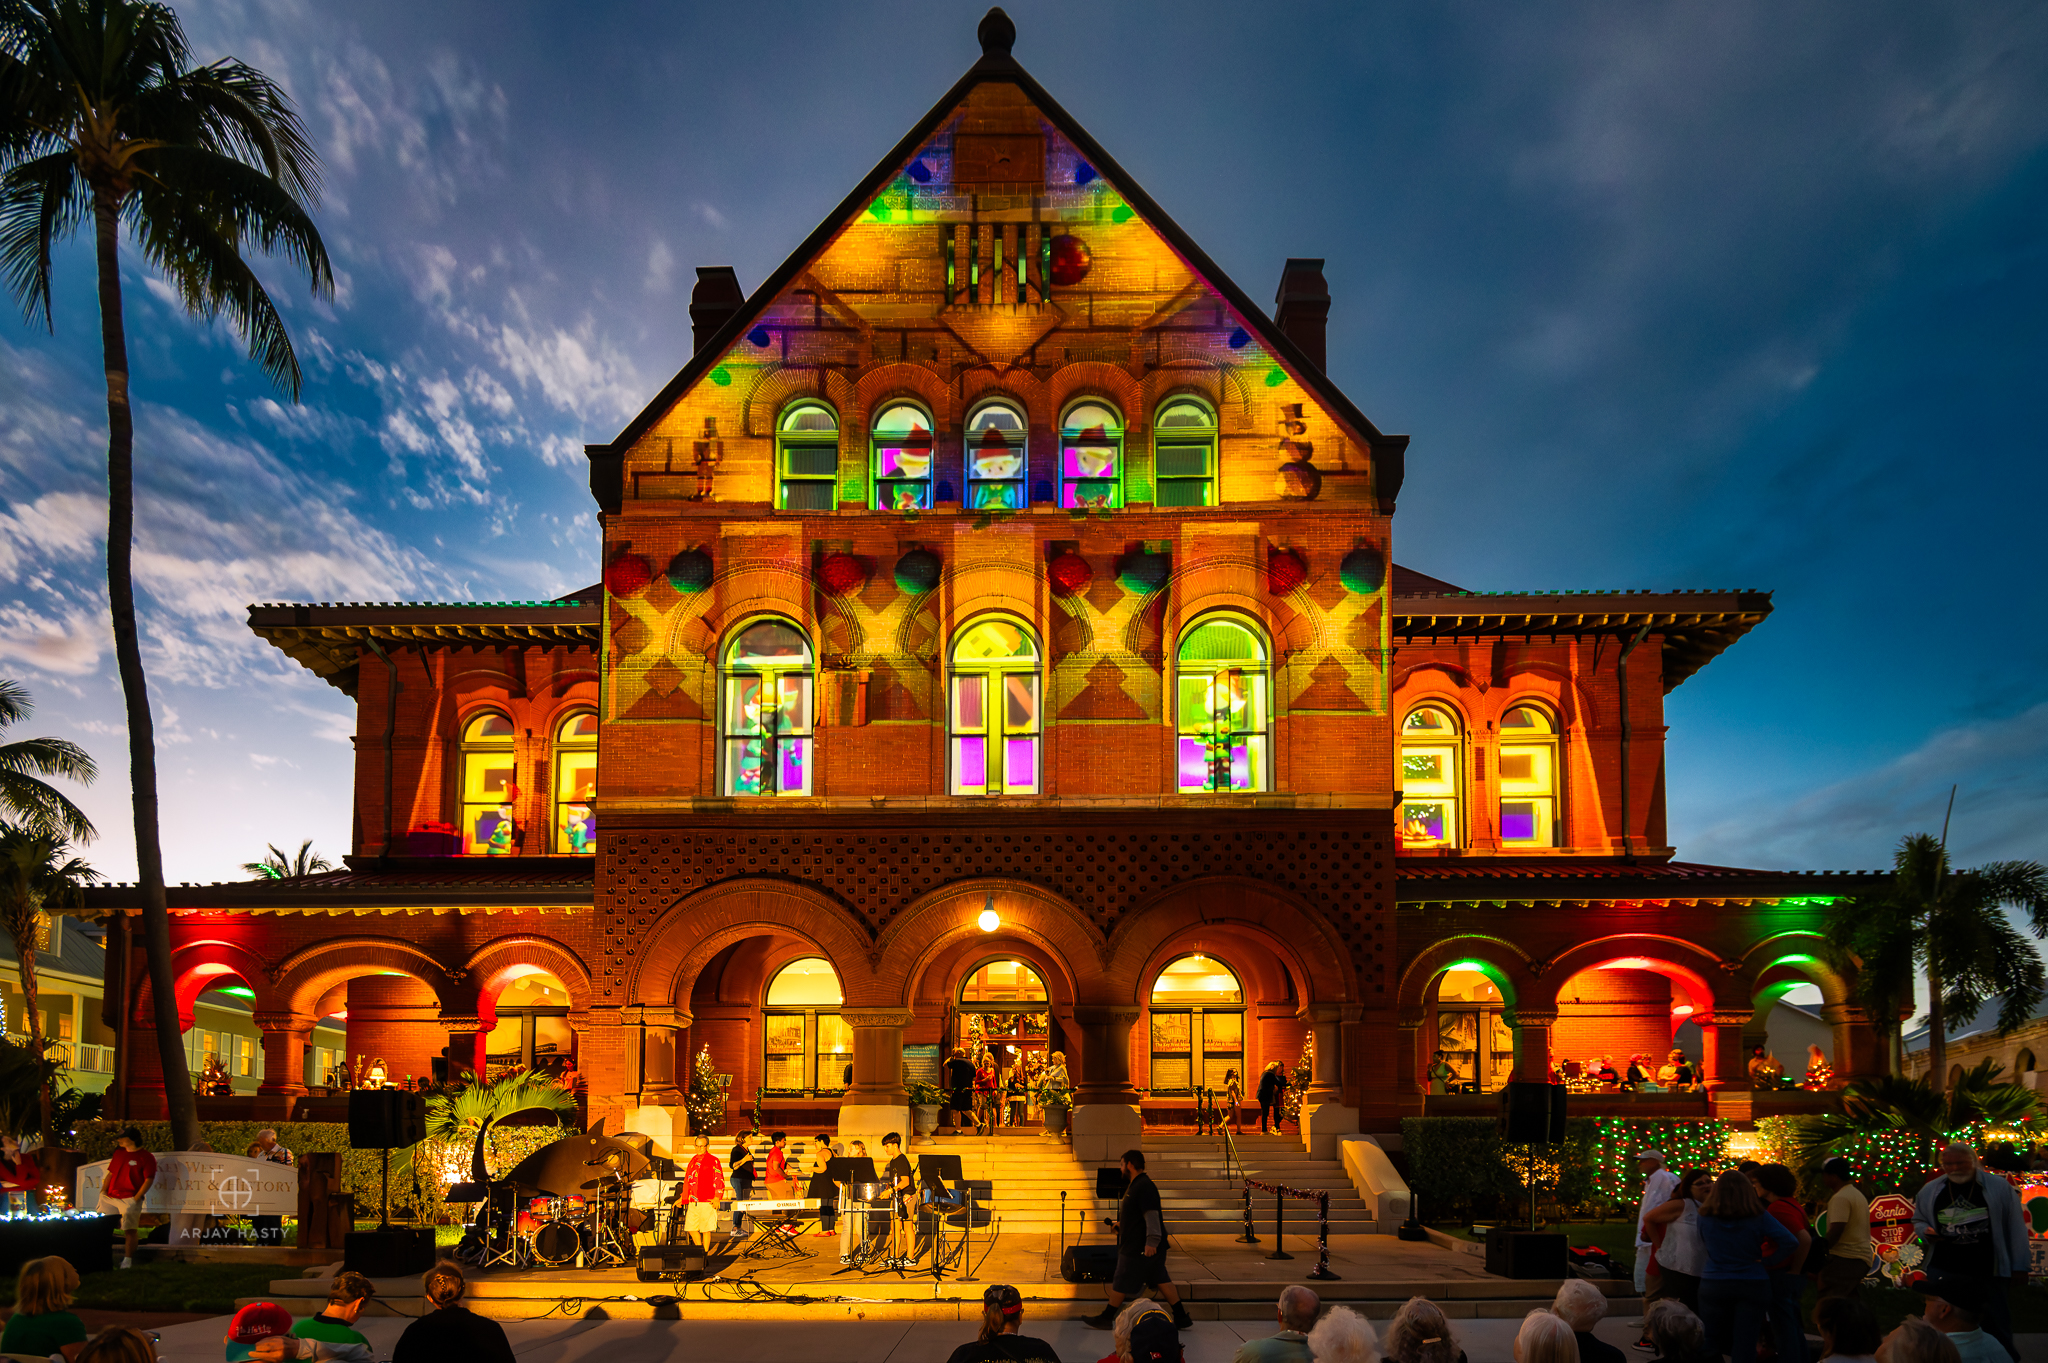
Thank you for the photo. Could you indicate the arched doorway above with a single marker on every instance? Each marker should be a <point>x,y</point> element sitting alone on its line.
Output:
<point>1003,1020</point>
<point>529,1016</point>
<point>1469,1009</point>
<point>1197,1024</point>
<point>1626,1007</point>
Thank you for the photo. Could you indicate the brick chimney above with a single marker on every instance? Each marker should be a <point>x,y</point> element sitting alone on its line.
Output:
<point>1302,307</point>
<point>713,302</point>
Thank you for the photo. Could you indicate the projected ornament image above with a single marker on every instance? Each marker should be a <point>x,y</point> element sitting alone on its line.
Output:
<point>1070,261</point>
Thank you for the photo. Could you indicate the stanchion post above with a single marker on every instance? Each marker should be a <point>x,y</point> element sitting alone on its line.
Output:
<point>1248,1238</point>
<point>1321,1271</point>
<point>967,1264</point>
<point>1279,1225</point>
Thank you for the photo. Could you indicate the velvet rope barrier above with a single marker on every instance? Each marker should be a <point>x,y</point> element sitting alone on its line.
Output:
<point>1321,1271</point>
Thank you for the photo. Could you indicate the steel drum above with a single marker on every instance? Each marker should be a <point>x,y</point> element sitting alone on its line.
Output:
<point>870,1192</point>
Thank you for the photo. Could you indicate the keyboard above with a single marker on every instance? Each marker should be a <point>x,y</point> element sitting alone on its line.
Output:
<point>777,1204</point>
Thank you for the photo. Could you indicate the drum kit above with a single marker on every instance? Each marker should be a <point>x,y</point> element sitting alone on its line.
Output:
<point>564,1206</point>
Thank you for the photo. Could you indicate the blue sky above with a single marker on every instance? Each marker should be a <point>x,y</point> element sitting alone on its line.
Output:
<point>1668,296</point>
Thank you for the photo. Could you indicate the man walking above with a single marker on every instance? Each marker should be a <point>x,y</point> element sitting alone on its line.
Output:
<point>1140,1248</point>
<point>1658,1182</point>
<point>1975,1230</point>
<point>1849,1247</point>
<point>959,1085</point>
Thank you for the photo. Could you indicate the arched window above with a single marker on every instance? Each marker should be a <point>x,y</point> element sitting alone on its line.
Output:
<point>1091,456</point>
<point>806,1044</point>
<point>532,1030</point>
<point>1222,713</point>
<point>1197,1027</point>
<point>807,458</point>
<point>1184,454</point>
<point>1528,778</point>
<point>576,784</point>
<point>1002,984</point>
<point>1429,778</point>
<point>1472,1030</point>
<point>1004,1023</point>
<point>995,457</point>
<point>2023,1063</point>
<point>903,457</point>
<point>488,787</point>
<point>768,711</point>
<point>994,714</point>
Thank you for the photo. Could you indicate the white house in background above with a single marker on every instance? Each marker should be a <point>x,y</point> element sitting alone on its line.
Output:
<point>1973,1038</point>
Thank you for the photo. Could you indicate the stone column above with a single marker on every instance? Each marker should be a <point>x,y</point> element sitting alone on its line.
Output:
<point>1532,1044</point>
<point>465,1043</point>
<point>877,1103</point>
<point>1324,1116</point>
<point>285,1038</point>
<point>1106,1121</point>
<point>1859,1052</point>
<point>1724,1066</point>
<point>663,1079</point>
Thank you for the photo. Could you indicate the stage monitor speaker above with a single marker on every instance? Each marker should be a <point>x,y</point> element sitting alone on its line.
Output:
<point>667,1263</point>
<point>386,1119</point>
<point>1514,1253</point>
<point>1088,1263</point>
<point>1109,1181</point>
<point>394,1253</point>
<point>1532,1114</point>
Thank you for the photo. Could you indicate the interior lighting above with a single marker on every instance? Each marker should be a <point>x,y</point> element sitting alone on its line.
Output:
<point>1681,1010</point>
<point>989,920</point>
<point>1628,963</point>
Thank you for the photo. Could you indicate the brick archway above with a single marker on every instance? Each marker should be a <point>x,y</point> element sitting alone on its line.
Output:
<point>196,965</point>
<point>308,973</point>
<point>489,961</point>
<point>1510,968</point>
<point>697,927</point>
<point>932,924</point>
<point>1316,957</point>
<point>1699,969</point>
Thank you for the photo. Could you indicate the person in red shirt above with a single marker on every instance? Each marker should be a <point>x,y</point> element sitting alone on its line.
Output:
<point>18,1172</point>
<point>129,1175</point>
<point>699,1193</point>
<point>779,1185</point>
<point>1778,1186</point>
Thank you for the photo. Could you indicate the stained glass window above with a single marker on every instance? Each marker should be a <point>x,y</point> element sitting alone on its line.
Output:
<point>807,458</point>
<point>1429,778</point>
<point>903,457</point>
<point>1222,714</point>
<point>1528,778</point>
<point>767,714</point>
<point>993,718</point>
<point>995,457</point>
<point>488,787</point>
<point>576,784</point>
<point>1184,454</point>
<point>1091,456</point>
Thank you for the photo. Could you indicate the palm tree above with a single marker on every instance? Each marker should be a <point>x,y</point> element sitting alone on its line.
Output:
<point>278,866</point>
<point>470,1109</point>
<point>23,764</point>
<point>1919,1108</point>
<point>104,119</point>
<point>37,873</point>
<point>1952,925</point>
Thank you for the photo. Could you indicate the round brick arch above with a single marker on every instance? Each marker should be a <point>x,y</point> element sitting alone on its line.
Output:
<point>490,961</point>
<point>1762,967</point>
<point>194,968</point>
<point>1312,952</point>
<point>1693,965</point>
<point>934,923</point>
<point>308,973</point>
<point>697,927</point>
<point>1510,967</point>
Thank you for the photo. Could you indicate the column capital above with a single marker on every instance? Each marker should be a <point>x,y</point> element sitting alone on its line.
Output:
<point>1530,1017</point>
<point>1326,1012</point>
<point>284,1022</point>
<point>654,1015</point>
<point>1727,1018</point>
<point>1103,1014</point>
<point>877,1017</point>
<point>453,1023</point>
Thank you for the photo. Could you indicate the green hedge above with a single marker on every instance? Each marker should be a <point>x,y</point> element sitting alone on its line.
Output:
<point>1460,1164</point>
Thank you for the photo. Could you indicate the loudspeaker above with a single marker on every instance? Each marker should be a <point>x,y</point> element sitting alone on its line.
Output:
<point>1524,1253</point>
<point>386,1119</point>
<point>1532,1114</point>
<point>1109,1181</point>
<point>666,1263</point>
<point>1088,1263</point>
<point>391,1253</point>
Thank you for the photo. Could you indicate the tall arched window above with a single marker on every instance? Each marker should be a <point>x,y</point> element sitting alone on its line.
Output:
<point>807,458</point>
<point>806,1045</point>
<point>995,457</point>
<point>1528,778</point>
<point>1091,456</point>
<point>2023,1063</point>
<point>1222,714</point>
<point>576,784</point>
<point>1429,778</point>
<point>994,714</point>
<point>768,711</point>
<point>903,457</point>
<point>1472,1030</point>
<point>1184,454</point>
<point>488,787</point>
<point>1197,1026</point>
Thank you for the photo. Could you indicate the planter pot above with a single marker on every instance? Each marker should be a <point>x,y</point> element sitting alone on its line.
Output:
<point>924,1118</point>
<point>1055,1121</point>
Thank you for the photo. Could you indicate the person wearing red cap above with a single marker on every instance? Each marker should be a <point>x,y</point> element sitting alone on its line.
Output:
<point>1002,1311</point>
<point>263,1330</point>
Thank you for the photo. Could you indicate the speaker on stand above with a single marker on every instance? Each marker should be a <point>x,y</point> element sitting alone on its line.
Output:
<point>1532,1115</point>
<point>387,1120</point>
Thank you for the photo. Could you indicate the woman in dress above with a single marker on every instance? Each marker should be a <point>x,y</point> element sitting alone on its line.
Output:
<point>1440,1074</point>
<point>822,1187</point>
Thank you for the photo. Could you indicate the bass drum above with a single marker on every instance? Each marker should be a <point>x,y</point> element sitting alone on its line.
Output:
<point>557,1244</point>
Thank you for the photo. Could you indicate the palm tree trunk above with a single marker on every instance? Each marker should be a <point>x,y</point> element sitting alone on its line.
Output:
<point>149,860</point>
<point>25,954</point>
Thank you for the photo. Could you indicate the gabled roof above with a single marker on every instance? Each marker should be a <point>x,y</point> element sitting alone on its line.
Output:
<point>997,65</point>
<point>1573,880</point>
<point>402,885</point>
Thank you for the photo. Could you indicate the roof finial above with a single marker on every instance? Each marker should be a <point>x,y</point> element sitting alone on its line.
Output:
<point>997,33</point>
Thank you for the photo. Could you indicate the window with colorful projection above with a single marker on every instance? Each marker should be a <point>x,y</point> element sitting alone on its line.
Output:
<point>903,457</point>
<point>807,458</point>
<point>1184,454</point>
<point>1091,456</point>
<point>994,714</point>
<point>995,457</point>
<point>1528,777</point>
<point>576,784</point>
<point>488,788</point>
<point>1429,778</point>
<point>767,711</point>
<point>1222,711</point>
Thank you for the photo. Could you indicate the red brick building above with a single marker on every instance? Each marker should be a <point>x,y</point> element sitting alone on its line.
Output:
<point>1000,643</point>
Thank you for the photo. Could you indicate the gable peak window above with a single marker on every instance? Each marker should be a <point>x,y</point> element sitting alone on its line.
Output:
<point>904,448</point>
<point>1184,453</point>
<point>767,711</point>
<point>807,458</point>
<point>1431,742</point>
<point>996,464</point>
<point>1528,778</point>
<point>1223,709</point>
<point>994,714</point>
<point>1091,456</point>
<point>576,784</point>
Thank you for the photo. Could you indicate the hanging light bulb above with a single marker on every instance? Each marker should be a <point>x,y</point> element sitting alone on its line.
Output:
<point>989,920</point>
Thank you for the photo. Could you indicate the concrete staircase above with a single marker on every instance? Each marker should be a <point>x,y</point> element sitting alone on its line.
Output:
<point>1200,1200</point>
<point>1029,1172</point>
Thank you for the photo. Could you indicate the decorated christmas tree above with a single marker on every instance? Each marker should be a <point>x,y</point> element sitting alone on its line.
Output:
<point>705,1101</point>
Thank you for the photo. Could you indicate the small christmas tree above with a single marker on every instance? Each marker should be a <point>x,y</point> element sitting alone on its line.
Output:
<point>705,1101</point>
<point>1304,1068</point>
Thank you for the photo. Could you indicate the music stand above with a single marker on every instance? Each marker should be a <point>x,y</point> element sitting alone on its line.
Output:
<point>939,1171</point>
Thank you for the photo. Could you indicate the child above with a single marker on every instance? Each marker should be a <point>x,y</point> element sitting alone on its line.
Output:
<point>347,1295</point>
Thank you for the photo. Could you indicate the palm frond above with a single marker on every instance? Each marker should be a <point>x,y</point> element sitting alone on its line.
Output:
<point>236,110</point>
<point>41,200</point>
<point>465,1112</point>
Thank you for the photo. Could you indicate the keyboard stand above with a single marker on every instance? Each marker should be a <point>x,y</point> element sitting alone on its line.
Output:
<point>771,1239</point>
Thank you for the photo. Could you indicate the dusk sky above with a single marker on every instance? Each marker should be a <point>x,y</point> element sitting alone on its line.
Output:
<point>1701,296</point>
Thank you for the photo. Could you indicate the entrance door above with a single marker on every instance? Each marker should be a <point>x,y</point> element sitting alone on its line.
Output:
<point>1004,1023</point>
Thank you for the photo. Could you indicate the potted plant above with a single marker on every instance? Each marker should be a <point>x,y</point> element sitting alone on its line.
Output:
<point>1055,1101</point>
<point>925,1101</point>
